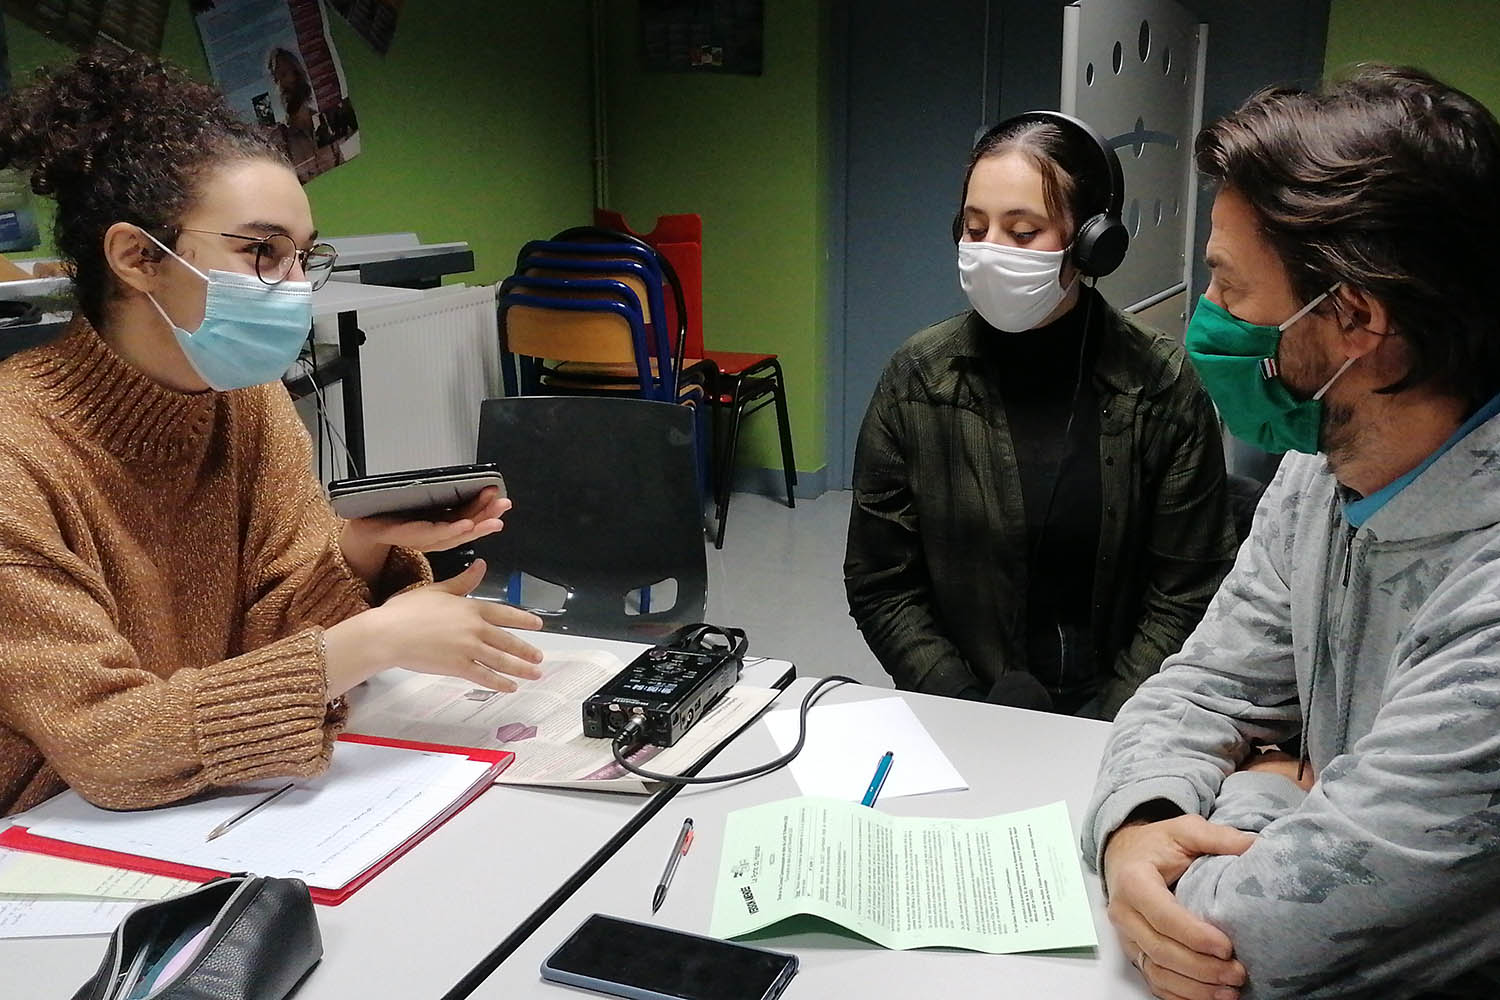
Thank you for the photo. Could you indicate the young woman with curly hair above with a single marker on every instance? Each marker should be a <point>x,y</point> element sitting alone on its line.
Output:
<point>179,607</point>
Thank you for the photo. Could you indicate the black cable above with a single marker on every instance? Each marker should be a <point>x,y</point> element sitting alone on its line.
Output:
<point>508,945</point>
<point>318,408</point>
<point>1067,445</point>
<point>311,371</point>
<point>823,686</point>
<point>309,366</point>
<point>698,634</point>
<point>325,422</point>
<point>1034,549</point>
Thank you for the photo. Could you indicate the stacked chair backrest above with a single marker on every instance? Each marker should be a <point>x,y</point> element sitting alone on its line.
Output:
<point>594,320</point>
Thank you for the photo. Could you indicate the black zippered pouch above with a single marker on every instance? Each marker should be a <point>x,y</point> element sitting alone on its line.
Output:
<point>242,937</point>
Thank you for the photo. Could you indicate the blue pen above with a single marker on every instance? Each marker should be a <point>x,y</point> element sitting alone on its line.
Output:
<point>878,782</point>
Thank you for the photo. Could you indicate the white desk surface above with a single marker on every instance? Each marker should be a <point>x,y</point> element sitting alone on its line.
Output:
<point>344,296</point>
<point>422,924</point>
<point>1012,760</point>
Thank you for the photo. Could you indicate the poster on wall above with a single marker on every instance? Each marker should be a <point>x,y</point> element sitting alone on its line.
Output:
<point>277,66</point>
<point>372,20</point>
<point>18,228</point>
<point>696,36</point>
<point>84,24</point>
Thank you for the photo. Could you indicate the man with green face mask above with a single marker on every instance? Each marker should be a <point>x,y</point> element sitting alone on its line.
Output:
<point>1305,801</point>
<point>1237,361</point>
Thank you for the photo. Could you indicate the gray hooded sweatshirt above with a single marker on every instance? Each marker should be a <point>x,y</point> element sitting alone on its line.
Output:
<point>1380,647</point>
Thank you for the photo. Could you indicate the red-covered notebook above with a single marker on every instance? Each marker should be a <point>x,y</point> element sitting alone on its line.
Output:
<point>21,837</point>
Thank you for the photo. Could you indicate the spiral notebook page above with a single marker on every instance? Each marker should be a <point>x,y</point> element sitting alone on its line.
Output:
<point>325,831</point>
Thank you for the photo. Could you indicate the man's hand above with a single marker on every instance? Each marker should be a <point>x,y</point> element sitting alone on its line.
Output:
<point>1181,956</point>
<point>1284,764</point>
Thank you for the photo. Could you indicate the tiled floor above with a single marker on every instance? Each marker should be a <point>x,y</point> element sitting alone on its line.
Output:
<point>780,577</point>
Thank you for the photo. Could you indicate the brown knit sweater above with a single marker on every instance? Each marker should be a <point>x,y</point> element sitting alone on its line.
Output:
<point>167,561</point>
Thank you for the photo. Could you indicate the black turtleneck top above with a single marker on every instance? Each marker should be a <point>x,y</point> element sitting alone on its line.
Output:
<point>1053,414</point>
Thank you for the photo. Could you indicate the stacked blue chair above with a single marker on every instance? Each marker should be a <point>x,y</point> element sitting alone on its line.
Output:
<point>583,314</point>
<point>586,321</point>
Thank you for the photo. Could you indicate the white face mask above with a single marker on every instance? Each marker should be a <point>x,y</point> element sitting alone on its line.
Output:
<point>1013,288</point>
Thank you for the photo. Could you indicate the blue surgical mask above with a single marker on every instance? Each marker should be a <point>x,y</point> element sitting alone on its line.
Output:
<point>251,332</point>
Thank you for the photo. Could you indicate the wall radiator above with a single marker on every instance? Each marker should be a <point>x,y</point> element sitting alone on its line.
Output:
<point>425,369</point>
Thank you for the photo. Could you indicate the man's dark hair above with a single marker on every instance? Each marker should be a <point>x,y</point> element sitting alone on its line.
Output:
<point>1389,181</point>
<point>119,138</point>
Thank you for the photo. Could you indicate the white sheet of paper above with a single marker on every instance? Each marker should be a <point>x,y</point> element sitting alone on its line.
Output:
<point>845,743</point>
<point>32,917</point>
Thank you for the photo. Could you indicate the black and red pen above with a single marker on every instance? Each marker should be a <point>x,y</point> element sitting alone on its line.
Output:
<point>679,850</point>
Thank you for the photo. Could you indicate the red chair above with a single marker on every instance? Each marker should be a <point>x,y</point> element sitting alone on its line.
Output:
<point>743,382</point>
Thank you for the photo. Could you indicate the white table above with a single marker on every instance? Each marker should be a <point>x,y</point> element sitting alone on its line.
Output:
<point>423,923</point>
<point>1012,759</point>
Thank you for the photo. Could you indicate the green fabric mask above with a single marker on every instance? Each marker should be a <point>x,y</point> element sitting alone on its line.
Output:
<point>1237,362</point>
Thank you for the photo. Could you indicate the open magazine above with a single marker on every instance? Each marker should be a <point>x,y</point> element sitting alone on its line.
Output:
<point>542,723</point>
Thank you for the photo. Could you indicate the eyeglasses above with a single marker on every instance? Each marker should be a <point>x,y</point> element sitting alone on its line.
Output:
<point>275,255</point>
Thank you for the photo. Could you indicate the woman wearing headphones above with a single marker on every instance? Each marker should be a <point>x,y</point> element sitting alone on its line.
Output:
<point>1039,512</point>
<point>179,607</point>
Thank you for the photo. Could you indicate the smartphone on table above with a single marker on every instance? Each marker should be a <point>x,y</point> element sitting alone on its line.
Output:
<point>413,492</point>
<point>624,958</point>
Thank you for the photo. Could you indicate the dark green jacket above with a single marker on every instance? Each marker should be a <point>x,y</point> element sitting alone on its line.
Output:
<point>936,567</point>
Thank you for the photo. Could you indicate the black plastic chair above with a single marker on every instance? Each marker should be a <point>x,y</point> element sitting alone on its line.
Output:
<point>606,506</point>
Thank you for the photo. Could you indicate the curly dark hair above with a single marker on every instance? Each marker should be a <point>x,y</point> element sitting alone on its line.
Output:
<point>119,137</point>
<point>1388,181</point>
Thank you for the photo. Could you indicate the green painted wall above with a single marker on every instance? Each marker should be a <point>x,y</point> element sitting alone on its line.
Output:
<point>1455,40</point>
<point>475,127</point>
<point>748,154</point>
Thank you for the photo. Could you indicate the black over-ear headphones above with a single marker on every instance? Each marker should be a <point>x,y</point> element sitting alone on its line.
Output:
<point>1102,239</point>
